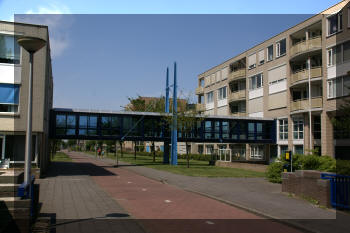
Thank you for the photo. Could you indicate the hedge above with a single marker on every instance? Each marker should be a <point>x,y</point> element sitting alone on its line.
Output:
<point>308,162</point>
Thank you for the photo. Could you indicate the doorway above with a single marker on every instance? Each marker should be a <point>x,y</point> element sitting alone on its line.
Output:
<point>2,147</point>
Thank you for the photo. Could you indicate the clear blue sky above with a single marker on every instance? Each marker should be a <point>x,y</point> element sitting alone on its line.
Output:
<point>99,60</point>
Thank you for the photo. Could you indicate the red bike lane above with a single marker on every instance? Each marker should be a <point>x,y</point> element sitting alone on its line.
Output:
<point>162,208</point>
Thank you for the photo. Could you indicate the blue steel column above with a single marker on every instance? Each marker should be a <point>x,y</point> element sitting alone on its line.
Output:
<point>174,128</point>
<point>166,142</point>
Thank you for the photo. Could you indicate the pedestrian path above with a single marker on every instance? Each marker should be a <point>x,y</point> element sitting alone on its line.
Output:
<point>74,203</point>
<point>161,207</point>
<point>256,195</point>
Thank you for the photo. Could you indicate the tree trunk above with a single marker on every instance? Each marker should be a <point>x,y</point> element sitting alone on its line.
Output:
<point>135,149</point>
<point>188,156</point>
<point>121,149</point>
<point>154,152</point>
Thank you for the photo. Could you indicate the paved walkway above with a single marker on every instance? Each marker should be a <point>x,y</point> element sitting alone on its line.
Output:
<point>75,203</point>
<point>254,194</point>
<point>89,191</point>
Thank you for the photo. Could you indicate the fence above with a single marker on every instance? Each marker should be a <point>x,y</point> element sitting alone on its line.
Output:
<point>340,190</point>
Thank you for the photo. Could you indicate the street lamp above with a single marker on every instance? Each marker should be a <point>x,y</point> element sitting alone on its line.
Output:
<point>31,44</point>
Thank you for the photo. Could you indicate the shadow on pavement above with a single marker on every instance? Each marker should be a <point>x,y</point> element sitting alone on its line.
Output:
<point>76,169</point>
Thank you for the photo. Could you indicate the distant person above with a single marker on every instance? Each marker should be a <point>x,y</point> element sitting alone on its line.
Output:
<point>99,152</point>
<point>103,153</point>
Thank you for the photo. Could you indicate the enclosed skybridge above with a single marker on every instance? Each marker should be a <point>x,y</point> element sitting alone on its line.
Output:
<point>148,126</point>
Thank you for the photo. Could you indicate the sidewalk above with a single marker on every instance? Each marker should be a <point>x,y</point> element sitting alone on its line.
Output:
<point>72,202</point>
<point>163,208</point>
<point>255,195</point>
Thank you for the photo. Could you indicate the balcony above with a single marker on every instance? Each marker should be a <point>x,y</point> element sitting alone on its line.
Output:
<point>304,74</point>
<point>236,74</point>
<point>238,95</point>
<point>199,90</point>
<point>200,107</point>
<point>306,45</point>
<point>303,104</point>
<point>239,114</point>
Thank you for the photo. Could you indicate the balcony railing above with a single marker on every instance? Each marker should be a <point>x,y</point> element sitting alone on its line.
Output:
<point>304,74</point>
<point>239,114</point>
<point>200,107</point>
<point>303,104</point>
<point>306,45</point>
<point>238,95</point>
<point>199,90</point>
<point>236,74</point>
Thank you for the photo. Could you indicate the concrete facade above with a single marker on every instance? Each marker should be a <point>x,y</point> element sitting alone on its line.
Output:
<point>277,86</point>
<point>13,120</point>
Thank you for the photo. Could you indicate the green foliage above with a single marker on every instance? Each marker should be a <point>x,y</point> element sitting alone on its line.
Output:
<point>343,167</point>
<point>274,171</point>
<point>311,162</point>
<point>327,164</point>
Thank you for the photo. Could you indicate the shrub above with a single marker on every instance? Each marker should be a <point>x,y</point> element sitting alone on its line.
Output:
<point>311,162</point>
<point>327,164</point>
<point>274,171</point>
<point>343,167</point>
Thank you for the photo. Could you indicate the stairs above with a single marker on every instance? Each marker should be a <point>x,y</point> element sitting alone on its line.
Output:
<point>14,211</point>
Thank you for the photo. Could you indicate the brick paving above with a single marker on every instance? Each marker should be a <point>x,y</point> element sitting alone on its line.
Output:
<point>73,202</point>
<point>160,207</point>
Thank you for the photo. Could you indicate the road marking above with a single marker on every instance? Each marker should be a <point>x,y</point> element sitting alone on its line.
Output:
<point>129,182</point>
<point>144,189</point>
<point>167,201</point>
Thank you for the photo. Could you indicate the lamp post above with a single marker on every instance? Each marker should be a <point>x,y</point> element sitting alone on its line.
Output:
<point>31,45</point>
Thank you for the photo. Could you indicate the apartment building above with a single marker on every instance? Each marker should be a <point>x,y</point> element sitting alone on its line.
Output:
<point>14,75</point>
<point>300,77</point>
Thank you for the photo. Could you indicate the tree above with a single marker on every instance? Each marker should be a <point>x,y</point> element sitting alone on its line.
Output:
<point>187,120</point>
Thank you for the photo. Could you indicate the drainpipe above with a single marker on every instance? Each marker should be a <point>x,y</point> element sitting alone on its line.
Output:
<point>310,126</point>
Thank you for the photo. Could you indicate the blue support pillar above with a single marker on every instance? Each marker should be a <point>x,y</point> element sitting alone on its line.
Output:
<point>166,142</point>
<point>174,126</point>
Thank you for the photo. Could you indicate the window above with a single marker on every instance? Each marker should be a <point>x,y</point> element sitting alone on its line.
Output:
<point>299,149</point>
<point>201,99</point>
<point>9,97</point>
<point>283,129</point>
<point>335,23</point>
<point>338,87</point>
<point>9,49</point>
<point>210,98</point>
<point>252,61</point>
<point>281,48</point>
<point>283,150</point>
<point>222,93</point>
<point>201,82</point>
<point>261,57</point>
<point>255,81</point>
<point>209,149</point>
<point>317,127</point>
<point>270,53</point>
<point>200,149</point>
<point>346,51</point>
<point>257,152</point>
<point>298,129</point>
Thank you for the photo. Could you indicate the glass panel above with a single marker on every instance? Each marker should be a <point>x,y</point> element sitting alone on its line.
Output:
<point>60,131</point>
<point>61,121</point>
<point>92,132</point>
<point>70,121</point>
<point>9,49</point>
<point>243,130</point>
<point>70,132</point>
<point>83,122</point>
<point>93,122</point>
<point>82,132</point>
<point>105,122</point>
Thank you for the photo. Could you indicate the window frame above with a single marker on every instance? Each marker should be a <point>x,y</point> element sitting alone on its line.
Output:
<point>300,122</point>
<point>255,77</point>
<point>14,35</point>
<point>267,52</point>
<point>13,105</point>
<point>339,16</point>
<point>278,48</point>
<point>282,126</point>
<point>221,93</point>
<point>211,93</point>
